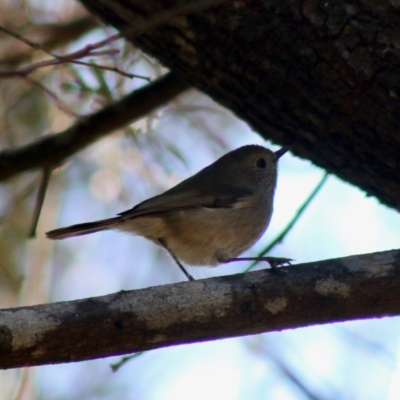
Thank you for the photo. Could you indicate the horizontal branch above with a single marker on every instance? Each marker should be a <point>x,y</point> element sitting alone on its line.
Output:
<point>362,286</point>
<point>52,150</point>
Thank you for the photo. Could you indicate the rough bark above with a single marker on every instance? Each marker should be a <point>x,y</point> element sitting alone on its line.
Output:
<point>323,75</point>
<point>343,289</point>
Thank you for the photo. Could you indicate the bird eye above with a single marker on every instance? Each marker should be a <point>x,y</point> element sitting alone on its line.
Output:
<point>261,163</point>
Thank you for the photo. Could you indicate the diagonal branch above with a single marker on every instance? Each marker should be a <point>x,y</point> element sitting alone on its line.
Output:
<point>322,75</point>
<point>89,50</point>
<point>54,36</point>
<point>361,286</point>
<point>50,151</point>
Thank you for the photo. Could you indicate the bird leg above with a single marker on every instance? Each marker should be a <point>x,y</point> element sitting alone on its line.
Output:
<point>163,243</point>
<point>274,262</point>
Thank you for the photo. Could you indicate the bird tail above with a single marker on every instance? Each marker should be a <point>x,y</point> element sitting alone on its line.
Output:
<point>81,229</point>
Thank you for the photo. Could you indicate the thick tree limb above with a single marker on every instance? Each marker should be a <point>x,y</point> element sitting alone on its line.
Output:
<point>50,151</point>
<point>323,75</point>
<point>362,286</point>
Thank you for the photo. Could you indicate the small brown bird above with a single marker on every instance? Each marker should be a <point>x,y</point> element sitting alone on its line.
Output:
<point>209,218</point>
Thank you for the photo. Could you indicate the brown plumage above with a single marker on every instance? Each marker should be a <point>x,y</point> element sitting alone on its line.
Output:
<point>208,218</point>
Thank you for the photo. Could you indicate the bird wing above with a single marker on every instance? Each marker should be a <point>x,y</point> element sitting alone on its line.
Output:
<point>224,197</point>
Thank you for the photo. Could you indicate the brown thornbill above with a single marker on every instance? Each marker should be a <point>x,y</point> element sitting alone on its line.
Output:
<point>209,218</point>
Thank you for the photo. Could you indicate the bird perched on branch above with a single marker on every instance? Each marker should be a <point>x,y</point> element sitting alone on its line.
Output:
<point>209,218</point>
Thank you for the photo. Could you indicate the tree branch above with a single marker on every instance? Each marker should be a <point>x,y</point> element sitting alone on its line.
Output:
<point>50,151</point>
<point>321,75</point>
<point>361,286</point>
<point>51,36</point>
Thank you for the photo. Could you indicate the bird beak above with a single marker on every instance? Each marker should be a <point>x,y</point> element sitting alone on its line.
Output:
<point>279,153</point>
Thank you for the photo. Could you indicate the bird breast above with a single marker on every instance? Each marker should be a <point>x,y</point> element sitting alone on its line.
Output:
<point>209,236</point>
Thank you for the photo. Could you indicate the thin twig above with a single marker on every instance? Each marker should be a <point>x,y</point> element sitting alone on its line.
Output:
<point>44,183</point>
<point>116,366</point>
<point>23,39</point>
<point>67,59</point>
<point>55,36</point>
<point>290,225</point>
<point>88,51</point>
<point>112,69</point>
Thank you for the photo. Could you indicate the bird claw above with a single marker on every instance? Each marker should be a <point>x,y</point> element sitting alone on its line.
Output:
<point>276,262</point>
